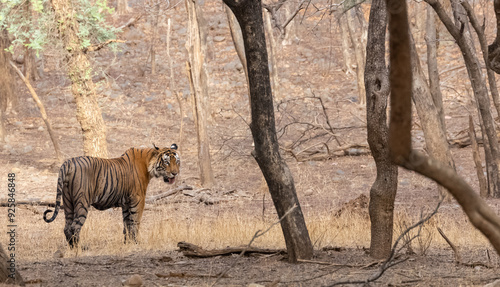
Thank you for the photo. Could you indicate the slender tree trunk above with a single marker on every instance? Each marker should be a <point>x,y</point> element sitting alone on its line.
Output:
<point>432,68</point>
<point>479,88</point>
<point>237,37</point>
<point>272,55</point>
<point>479,213</point>
<point>88,111</point>
<point>6,81</point>
<point>358,53</point>
<point>494,48</point>
<point>197,47</point>
<point>154,36</point>
<point>383,190</point>
<point>346,45</point>
<point>275,170</point>
<point>435,136</point>
<point>122,7</point>
<point>42,112</point>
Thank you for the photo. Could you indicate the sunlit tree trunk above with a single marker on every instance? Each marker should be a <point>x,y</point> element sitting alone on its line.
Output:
<point>356,35</point>
<point>197,50</point>
<point>79,71</point>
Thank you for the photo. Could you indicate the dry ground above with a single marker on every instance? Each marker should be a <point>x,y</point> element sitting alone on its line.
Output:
<point>140,109</point>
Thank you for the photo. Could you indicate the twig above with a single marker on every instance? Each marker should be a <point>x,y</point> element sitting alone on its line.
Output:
<point>130,22</point>
<point>99,46</point>
<point>257,234</point>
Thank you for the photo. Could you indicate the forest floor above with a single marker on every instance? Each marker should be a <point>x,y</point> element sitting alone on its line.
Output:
<point>140,109</point>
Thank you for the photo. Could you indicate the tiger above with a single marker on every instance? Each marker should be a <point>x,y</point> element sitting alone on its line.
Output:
<point>106,183</point>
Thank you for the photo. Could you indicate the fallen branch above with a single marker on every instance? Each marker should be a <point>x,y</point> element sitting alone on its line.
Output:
<point>192,250</point>
<point>168,193</point>
<point>99,46</point>
<point>187,275</point>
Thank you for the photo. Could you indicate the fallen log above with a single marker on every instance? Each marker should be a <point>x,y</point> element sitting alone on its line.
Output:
<point>168,193</point>
<point>192,250</point>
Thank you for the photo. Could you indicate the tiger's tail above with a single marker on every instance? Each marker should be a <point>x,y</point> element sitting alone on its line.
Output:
<point>60,185</point>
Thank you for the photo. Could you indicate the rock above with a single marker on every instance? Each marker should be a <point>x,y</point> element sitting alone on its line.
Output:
<point>134,281</point>
<point>219,38</point>
<point>27,149</point>
<point>255,285</point>
<point>58,254</point>
<point>41,129</point>
<point>15,170</point>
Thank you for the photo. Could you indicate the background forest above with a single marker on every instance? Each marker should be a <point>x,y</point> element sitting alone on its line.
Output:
<point>139,57</point>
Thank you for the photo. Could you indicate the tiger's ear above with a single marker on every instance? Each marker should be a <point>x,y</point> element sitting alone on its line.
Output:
<point>173,146</point>
<point>155,146</point>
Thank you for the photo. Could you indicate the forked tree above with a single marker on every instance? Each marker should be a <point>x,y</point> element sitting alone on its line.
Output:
<point>275,170</point>
<point>401,152</point>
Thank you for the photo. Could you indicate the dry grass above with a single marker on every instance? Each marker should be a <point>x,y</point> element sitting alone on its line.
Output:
<point>164,226</point>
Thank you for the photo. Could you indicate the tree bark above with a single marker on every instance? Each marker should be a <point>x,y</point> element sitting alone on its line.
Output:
<point>272,55</point>
<point>432,68</point>
<point>197,47</point>
<point>479,213</point>
<point>358,53</point>
<point>383,190</point>
<point>6,81</point>
<point>479,88</point>
<point>494,48</point>
<point>484,49</point>
<point>435,135</point>
<point>346,44</point>
<point>275,170</point>
<point>79,71</point>
<point>237,37</point>
<point>122,7</point>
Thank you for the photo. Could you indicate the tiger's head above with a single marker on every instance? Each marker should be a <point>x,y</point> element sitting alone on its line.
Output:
<point>166,164</point>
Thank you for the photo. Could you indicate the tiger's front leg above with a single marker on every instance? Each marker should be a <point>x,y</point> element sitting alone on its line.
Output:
<point>132,214</point>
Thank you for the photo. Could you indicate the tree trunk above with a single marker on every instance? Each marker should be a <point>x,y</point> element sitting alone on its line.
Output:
<point>272,55</point>
<point>237,37</point>
<point>479,213</point>
<point>494,48</point>
<point>383,190</point>
<point>88,111</point>
<point>478,86</point>
<point>432,68</point>
<point>435,135</point>
<point>358,53</point>
<point>275,170</point>
<point>197,47</point>
<point>346,45</point>
<point>6,81</point>
<point>8,275</point>
<point>154,35</point>
<point>122,7</point>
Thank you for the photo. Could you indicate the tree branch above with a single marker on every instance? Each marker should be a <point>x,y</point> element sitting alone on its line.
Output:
<point>99,46</point>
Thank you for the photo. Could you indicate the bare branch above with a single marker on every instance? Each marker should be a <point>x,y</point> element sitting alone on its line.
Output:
<point>99,46</point>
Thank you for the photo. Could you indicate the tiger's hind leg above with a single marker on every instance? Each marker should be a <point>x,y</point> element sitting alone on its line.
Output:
<point>132,214</point>
<point>74,224</point>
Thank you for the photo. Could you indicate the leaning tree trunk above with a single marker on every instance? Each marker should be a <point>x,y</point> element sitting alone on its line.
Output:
<point>479,88</point>
<point>88,111</point>
<point>197,47</point>
<point>479,213</point>
<point>383,190</point>
<point>434,133</point>
<point>237,37</point>
<point>275,170</point>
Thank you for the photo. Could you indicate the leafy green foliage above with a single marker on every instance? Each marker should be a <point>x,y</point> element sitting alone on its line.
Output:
<point>32,23</point>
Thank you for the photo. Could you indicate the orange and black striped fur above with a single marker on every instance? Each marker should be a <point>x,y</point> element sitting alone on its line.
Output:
<point>105,183</point>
